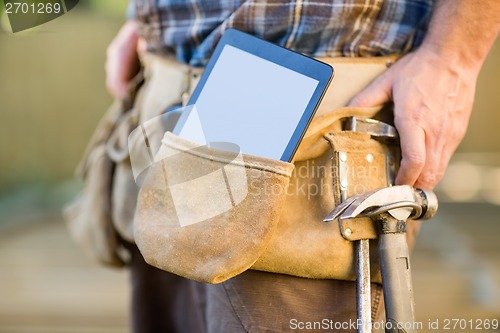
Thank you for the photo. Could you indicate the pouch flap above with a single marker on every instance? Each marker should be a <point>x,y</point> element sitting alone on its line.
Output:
<point>361,164</point>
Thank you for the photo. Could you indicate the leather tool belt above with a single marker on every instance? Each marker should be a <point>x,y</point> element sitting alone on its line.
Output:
<point>250,212</point>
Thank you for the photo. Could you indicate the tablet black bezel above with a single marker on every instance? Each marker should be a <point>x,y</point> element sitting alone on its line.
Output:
<point>297,62</point>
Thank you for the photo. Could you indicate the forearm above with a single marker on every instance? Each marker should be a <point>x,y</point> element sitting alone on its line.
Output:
<point>433,87</point>
<point>463,31</point>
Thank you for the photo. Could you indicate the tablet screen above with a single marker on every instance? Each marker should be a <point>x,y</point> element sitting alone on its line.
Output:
<point>250,101</point>
<point>256,95</point>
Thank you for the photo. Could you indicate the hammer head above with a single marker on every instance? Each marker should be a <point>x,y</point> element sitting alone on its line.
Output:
<point>402,202</point>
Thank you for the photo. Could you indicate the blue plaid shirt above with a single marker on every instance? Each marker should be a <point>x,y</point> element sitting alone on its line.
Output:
<point>190,29</point>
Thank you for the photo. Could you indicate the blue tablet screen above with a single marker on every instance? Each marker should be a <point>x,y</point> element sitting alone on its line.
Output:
<point>250,101</point>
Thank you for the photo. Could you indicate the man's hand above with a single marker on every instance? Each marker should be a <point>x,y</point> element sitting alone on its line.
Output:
<point>433,87</point>
<point>122,61</point>
<point>433,101</point>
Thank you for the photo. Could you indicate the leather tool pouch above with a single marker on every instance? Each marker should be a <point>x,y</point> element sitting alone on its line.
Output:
<point>90,216</point>
<point>209,215</point>
<point>351,163</point>
<point>279,231</point>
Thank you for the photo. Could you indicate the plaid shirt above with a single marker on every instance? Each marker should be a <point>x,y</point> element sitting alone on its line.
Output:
<point>320,28</point>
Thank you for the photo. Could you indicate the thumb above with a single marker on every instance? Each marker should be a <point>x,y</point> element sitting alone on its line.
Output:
<point>376,93</point>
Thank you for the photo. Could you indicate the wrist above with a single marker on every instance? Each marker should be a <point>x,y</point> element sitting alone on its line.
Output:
<point>463,31</point>
<point>457,58</point>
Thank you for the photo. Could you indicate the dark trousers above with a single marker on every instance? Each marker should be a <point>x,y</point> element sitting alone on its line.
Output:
<point>250,302</point>
<point>163,302</point>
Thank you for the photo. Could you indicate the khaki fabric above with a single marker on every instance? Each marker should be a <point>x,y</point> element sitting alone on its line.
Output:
<point>89,216</point>
<point>124,200</point>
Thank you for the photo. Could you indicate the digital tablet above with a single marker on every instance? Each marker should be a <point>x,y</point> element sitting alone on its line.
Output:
<point>256,95</point>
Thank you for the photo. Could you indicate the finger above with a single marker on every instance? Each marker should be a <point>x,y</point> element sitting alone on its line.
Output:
<point>376,93</point>
<point>430,178</point>
<point>431,173</point>
<point>142,46</point>
<point>444,159</point>
<point>456,135</point>
<point>412,140</point>
<point>119,70</point>
<point>117,88</point>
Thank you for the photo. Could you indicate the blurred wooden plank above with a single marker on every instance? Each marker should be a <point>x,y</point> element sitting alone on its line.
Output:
<point>48,285</point>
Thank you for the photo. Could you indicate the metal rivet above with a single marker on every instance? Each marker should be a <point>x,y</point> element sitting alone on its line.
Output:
<point>369,158</point>
<point>343,183</point>
<point>343,157</point>
<point>348,232</point>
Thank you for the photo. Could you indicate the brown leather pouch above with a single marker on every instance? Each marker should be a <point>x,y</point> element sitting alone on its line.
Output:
<point>280,231</point>
<point>303,245</point>
<point>89,217</point>
<point>208,214</point>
